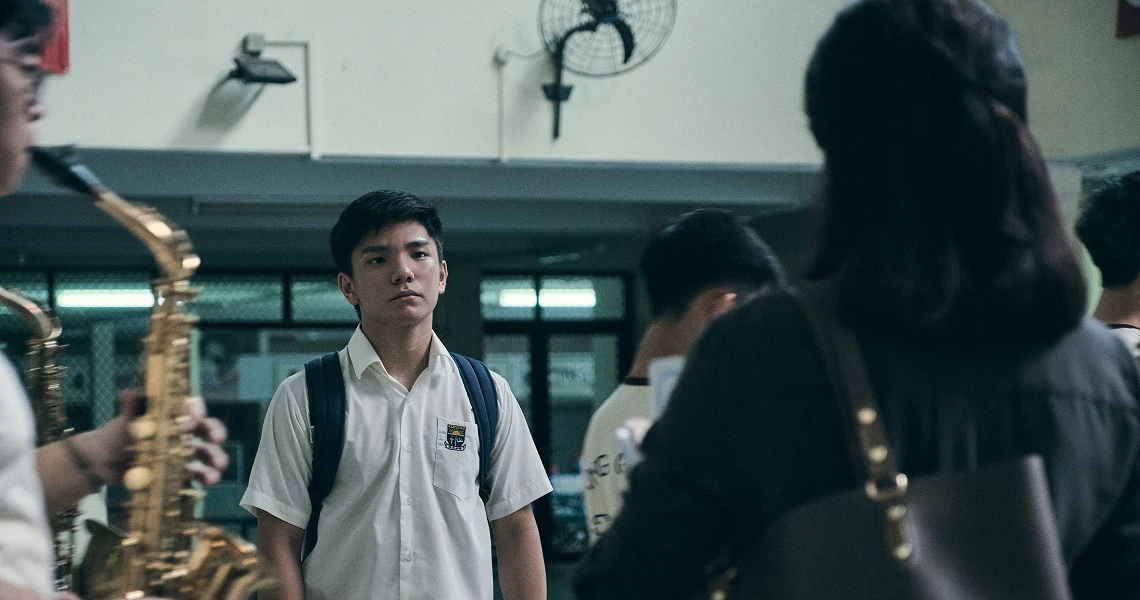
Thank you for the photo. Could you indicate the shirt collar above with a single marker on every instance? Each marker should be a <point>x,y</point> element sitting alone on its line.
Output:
<point>362,355</point>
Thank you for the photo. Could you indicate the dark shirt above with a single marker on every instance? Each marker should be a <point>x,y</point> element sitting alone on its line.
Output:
<point>752,431</point>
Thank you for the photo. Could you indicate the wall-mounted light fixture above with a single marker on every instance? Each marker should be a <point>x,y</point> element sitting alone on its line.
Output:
<point>250,67</point>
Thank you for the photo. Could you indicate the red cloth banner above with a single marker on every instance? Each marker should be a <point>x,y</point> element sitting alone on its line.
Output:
<point>57,53</point>
<point>1128,18</point>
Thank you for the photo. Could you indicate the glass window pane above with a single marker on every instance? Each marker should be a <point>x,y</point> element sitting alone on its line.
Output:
<point>238,298</point>
<point>105,315</point>
<point>32,284</point>
<point>509,356</point>
<point>583,372</point>
<point>123,298</point>
<point>581,298</point>
<point>508,298</point>
<point>317,299</point>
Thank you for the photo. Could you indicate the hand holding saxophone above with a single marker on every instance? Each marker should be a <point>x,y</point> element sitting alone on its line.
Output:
<point>209,459</point>
<point>80,465</point>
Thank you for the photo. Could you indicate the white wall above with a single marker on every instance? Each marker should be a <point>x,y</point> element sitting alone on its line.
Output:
<point>1084,84</point>
<point>417,79</point>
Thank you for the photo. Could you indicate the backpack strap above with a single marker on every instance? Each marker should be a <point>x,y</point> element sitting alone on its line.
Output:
<point>325,385</point>
<point>484,400</point>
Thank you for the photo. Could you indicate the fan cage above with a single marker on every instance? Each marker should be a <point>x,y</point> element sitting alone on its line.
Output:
<point>599,53</point>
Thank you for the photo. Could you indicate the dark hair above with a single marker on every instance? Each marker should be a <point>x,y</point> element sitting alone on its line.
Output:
<point>24,18</point>
<point>701,250</point>
<point>374,211</point>
<point>939,220</point>
<point>1109,227</point>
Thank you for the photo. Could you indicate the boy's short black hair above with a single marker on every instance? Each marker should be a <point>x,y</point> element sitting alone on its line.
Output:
<point>24,18</point>
<point>1109,227</point>
<point>701,250</point>
<point>374,211</point>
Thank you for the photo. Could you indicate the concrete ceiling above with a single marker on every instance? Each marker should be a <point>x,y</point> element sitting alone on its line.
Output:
<point>270,211</point>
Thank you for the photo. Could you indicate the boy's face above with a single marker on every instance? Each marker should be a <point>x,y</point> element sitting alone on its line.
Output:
<point>397,276</point>
<point>20,106</point>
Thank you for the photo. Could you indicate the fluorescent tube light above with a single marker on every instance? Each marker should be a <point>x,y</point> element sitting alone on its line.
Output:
<point>521,298</point>
<point>104,299</point>
<point>547,298</point>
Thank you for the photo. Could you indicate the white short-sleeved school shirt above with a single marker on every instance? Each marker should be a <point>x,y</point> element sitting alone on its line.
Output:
<point>26,553</point>
<point>605,476</point>
<point>404,518</point>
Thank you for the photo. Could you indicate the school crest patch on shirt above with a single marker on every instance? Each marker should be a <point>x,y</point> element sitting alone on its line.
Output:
<point>456,437</point>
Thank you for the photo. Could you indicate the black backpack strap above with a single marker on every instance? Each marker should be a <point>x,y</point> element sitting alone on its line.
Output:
<point>325,385</point>
<point>485,404</point>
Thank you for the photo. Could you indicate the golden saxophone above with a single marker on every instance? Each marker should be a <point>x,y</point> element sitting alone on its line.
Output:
<point>165,551</point>
<point>43,382</point>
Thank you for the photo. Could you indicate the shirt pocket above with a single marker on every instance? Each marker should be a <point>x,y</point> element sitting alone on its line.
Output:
<point>455,465</point>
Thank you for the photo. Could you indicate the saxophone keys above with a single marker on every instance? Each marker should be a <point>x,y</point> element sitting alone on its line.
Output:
<point>138,478</point>
<point>192,493</point>
<point>175,573</point>
<point>143,428</point>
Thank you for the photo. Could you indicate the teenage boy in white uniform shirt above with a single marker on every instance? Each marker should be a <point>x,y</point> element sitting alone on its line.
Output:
<point>695,269</point>
<point>404,518</point>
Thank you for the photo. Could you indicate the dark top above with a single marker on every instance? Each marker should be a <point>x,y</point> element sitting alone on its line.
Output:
<point>752,431</point>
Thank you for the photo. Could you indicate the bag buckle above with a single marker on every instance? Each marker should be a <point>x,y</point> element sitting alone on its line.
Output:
<point>895,489</point>
<point>890,498</point>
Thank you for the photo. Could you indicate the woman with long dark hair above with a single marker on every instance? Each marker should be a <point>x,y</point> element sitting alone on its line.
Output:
<point>943,242</point>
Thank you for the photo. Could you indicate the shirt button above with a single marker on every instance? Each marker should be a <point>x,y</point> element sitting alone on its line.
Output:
<point>409,501</point>
<point>407,555</point>
<point>408,447</point>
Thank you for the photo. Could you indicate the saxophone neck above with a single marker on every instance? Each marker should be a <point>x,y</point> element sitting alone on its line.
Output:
<point>169,244</point>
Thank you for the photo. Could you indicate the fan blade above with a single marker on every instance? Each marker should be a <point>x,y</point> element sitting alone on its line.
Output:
<point>626,34</point>
<point>601,9</point>
<point>587,26</point>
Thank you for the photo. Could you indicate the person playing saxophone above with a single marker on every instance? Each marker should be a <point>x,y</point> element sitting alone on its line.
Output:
<point>60,473</point>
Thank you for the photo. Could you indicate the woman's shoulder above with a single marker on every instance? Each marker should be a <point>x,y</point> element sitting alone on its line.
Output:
<point>772,312</point>
<point>763,335</point>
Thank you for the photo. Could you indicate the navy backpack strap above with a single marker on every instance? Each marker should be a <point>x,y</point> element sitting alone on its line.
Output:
<point>485,404</point>
<point>325,385</point>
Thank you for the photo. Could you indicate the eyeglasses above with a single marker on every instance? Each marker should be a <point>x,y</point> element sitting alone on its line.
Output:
<point>32,70</point>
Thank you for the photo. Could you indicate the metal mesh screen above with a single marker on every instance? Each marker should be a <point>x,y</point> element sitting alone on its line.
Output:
<point>238,299</point>
<point>317,299</point>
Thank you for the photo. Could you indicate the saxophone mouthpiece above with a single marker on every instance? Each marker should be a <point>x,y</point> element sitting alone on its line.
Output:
<point>62,164</point>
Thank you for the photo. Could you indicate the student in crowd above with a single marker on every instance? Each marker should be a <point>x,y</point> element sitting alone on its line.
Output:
<point>942,241</point>
<point>405,517</point>
<point>695,269</point>
<point>1109,227</point>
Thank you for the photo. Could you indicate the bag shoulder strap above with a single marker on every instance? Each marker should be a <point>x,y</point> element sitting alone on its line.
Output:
<point>325,385</point>
<point>484,400</point>
<point>867,439</point>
